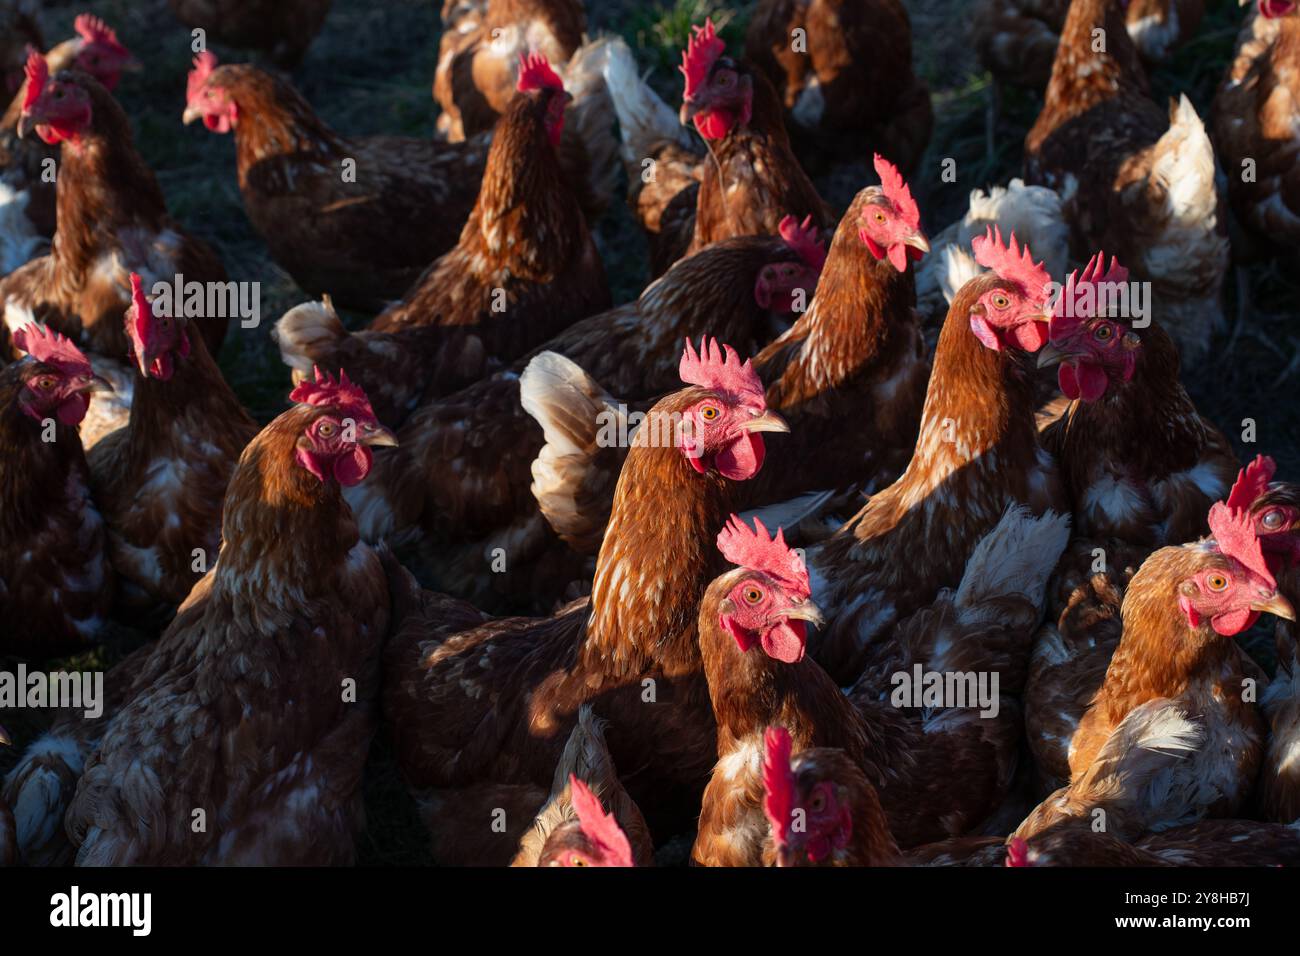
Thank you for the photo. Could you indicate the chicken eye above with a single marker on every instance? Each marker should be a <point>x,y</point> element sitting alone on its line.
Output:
<point>1217,582</point>
<point>1000,301</point>
<point>46,382</point>
<point>1104,332</point>
<point>788,272</point>
<point>1272,520</point>
<point>818,802</point>
<point>577,861</point>
<point>753,594</point>
<point>326,429</point>
<point>725,79</point>
<point>879,216</point>
<point>710,413</point>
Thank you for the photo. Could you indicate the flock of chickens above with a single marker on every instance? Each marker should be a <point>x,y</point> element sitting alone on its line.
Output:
<point>619,581</point>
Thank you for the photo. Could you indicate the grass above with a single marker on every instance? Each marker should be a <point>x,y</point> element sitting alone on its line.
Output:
<point>370,71</point>
<point>659,34</point>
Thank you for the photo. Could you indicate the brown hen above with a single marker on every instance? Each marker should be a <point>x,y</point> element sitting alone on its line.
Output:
<point>257,705</point>
<point>845,79</point>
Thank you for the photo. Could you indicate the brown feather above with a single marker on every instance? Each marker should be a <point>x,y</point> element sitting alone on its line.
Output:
<point>242,708</point>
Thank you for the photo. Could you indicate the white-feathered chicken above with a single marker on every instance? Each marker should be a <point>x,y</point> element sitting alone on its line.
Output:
<point>1033,213</point>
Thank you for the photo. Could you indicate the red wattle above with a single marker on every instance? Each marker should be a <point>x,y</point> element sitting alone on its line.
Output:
<point>1031,336</point>
<point>73,409</point>
<point>742,459</point>
<point>1232,623</point>
<point>714,124</point>
<point>818,847</point>
<point>217,122</point>
<point>1092,381</point>
<point>351,468</point>
<point>1068,381</point>
<point>898,256</point>
<point>785,642</point>
<point>1081,380</point>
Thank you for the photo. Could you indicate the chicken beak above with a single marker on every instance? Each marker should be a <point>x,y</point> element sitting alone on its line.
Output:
<point>5,739</point>
<point>96,383</point>
<point>1049,355</point>
<point>380,436</point>
<point>1276,605</point>
<point>918,241</point>
<point>806,611</point>
<point>191,114</point>
<point>767,422</point>
<point>26,123</point>
<point>690,108</point>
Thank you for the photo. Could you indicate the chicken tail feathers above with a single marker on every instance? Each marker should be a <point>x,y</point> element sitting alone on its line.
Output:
<point>574,412</point>
<point>590,149</point>
<point>1188,251</point>
<point>309,335</point>
<point>644,120</point>
<point>39,790</point>
<point>1014,559</point>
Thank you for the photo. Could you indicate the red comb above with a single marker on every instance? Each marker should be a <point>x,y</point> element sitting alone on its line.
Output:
<point>710,368</point>
<point>94,30</point>
<point>535,73</point>
<point>46,345</point>
<point>897,191</point>
<point>1017,852</point>
<point>758,551</point>
<point>204,64</point>
<point>701,53</point>
<point>1073,307</point>
<point>778,781</point>
<point>38,72</point>
<point>143,310</point>
<point>137,295</point>
<point>600,827</point>
<point>802,238</point>
<point>1012,263</point>
<point>1252,481</point>
<point>326,391</point>
<point>1235,535</point>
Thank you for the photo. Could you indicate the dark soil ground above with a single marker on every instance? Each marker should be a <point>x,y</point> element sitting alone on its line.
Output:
<point>370,71</point>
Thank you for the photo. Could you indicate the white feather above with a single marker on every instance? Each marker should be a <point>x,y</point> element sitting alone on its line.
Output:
<point>1016,557</point>
<point>19,241</point>
<point>643,118</point>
